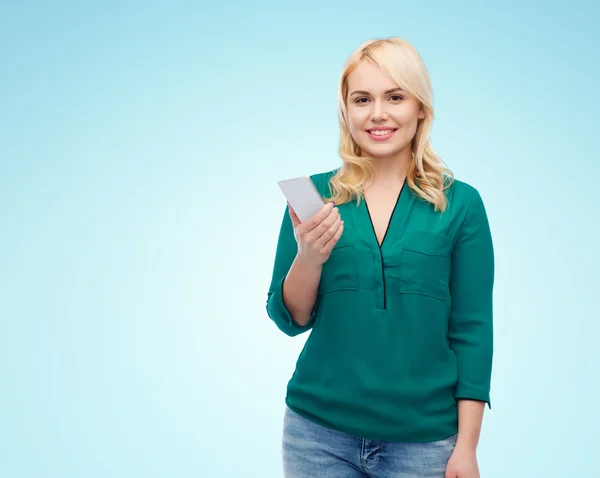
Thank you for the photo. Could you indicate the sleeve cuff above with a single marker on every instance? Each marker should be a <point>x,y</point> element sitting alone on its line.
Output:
<point>473,394</point>
<point>281,315</point>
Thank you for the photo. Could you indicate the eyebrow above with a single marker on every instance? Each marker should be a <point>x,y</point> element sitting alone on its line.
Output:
<point>362,92</point>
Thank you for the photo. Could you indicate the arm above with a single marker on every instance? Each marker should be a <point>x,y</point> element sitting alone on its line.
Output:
<point>470,331</point>
<point>292,296</point>
<point>470,334</point>
<point>463,461</point>
<point>470,417</point>
<point>300,289</point>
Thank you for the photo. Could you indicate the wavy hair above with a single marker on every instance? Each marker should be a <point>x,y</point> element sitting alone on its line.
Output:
<point>427,175</point>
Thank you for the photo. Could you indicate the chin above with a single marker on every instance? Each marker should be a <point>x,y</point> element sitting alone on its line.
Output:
<point>383,152</point>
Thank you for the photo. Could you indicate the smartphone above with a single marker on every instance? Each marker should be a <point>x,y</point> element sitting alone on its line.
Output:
<point>303,196</point>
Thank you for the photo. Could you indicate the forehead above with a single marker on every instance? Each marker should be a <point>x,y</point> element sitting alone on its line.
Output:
<point>368,76</point>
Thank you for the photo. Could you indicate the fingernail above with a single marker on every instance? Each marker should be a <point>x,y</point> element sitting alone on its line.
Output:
<point>331,204</point>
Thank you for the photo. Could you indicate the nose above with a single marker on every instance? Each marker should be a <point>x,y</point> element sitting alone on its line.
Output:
<point>378,112</point>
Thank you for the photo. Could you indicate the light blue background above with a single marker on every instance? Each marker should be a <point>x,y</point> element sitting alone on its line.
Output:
<point>140,146</point>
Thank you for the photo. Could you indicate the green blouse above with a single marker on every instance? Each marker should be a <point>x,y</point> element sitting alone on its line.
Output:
<point>398,332</point>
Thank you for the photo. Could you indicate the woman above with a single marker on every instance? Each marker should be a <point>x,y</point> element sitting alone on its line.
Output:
<point>395,282</point>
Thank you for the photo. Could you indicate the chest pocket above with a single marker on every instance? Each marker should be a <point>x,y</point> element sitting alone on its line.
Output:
<point>340,271</point>
<point>420,263</point>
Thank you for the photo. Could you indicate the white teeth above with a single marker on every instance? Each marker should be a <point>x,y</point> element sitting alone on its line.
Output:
<point>382,132</point>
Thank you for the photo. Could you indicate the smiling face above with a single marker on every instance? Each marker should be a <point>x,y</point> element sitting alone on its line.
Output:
<point>382,118</point>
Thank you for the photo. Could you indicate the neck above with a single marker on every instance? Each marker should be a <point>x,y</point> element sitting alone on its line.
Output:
<point>392,170</point>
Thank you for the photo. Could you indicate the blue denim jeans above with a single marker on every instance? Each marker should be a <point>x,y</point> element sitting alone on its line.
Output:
<point>312,450</point>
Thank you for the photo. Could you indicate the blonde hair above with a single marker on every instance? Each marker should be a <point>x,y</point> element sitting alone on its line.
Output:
<point>425,175</point>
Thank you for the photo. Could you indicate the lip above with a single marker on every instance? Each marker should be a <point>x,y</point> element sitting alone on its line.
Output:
<point>385,137</point>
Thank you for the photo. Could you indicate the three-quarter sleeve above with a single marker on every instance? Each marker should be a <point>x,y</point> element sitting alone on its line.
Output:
<point>284,257</point>
<point>470,331</point>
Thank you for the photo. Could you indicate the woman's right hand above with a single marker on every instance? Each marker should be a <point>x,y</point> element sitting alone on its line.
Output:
<point>317,236</point>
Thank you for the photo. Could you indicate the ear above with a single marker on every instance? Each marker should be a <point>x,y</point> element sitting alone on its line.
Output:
<point>421,113</point>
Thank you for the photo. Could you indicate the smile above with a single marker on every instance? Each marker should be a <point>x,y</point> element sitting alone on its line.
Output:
<point>381,135</point>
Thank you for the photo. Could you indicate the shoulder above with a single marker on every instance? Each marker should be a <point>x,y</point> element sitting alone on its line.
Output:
<point>462,194</point>
<point>465,203</point>
<point>321,180</point>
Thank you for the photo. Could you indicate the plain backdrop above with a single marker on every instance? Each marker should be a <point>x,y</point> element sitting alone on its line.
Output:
<point>140,146</point>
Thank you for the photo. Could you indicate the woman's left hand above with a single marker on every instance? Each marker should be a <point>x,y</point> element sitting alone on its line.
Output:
<point>462,464</point>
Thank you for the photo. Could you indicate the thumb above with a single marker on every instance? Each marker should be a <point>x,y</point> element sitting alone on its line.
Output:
<point>295,220</point>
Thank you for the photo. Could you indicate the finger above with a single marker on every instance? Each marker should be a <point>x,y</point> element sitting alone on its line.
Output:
<point>295,219</point>
<point>329,232</point>
<point>317,233</point>
<point>318,218</point>
<point>330,244</point>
